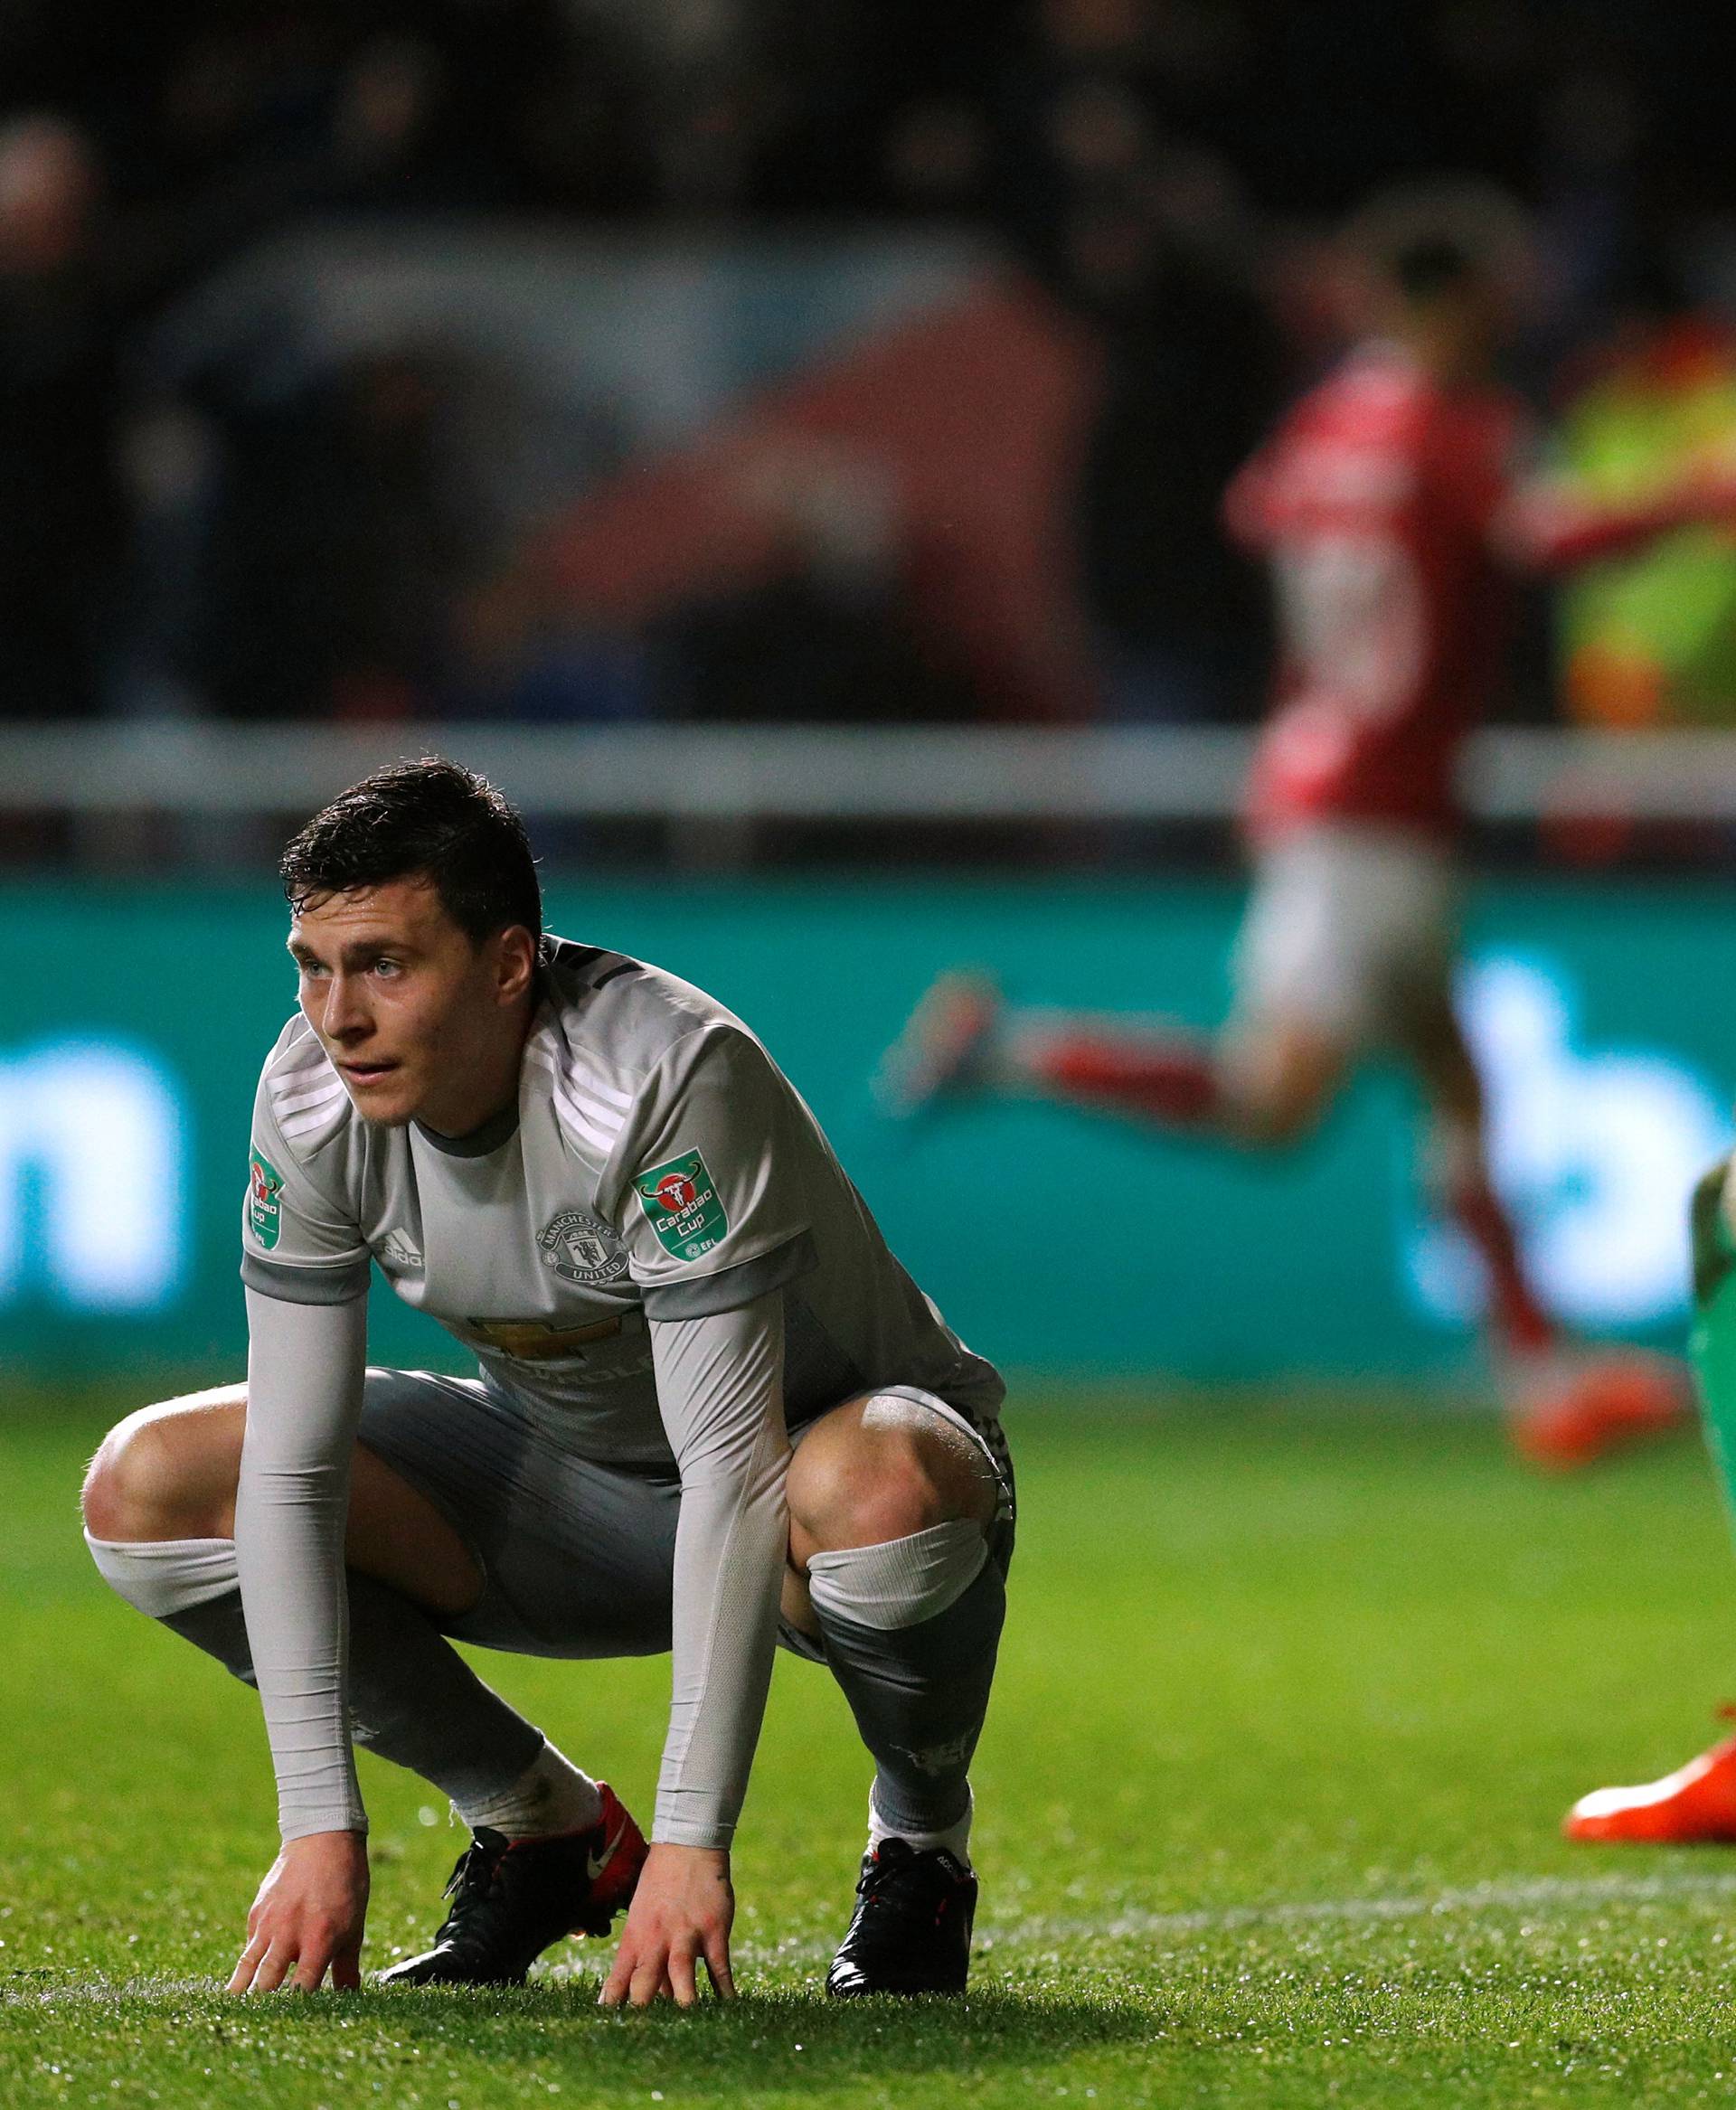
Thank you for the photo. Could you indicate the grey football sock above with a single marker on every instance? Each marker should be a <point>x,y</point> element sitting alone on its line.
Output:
<point>413,1699</point>
<point>920,1694</point>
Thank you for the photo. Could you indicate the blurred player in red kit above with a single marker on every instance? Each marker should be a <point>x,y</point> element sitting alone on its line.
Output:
<point>1390,509</point>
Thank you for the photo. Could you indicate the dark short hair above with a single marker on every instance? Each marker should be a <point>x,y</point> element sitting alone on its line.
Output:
<point>426,820</point>
<point>1430,265</point>
<point>1432,237</point>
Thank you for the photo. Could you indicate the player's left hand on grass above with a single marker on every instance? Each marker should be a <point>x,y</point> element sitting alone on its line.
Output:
<point>680,1914</point>
<point>308,1917</point>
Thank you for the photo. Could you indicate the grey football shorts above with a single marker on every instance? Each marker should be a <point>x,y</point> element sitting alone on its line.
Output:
<point>578,1556</point>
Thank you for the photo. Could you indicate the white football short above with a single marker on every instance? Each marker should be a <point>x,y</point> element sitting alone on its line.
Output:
<point>1349,928</point>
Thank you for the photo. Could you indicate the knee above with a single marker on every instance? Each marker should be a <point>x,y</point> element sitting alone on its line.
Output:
<point>1455,1090</point>
<point>1275,1123</point>
<point>150,1481</point>
<point>1272,1106</point>
<point>885,1470</point>
<point>1276,1086</point>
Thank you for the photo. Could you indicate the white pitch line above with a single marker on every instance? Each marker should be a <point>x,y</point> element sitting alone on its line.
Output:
<point>69,1992</point>
<point>1539,1894</point>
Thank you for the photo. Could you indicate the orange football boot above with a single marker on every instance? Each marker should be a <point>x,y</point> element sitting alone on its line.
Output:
<point>1694,1806</point>
<point>1605,1403</point>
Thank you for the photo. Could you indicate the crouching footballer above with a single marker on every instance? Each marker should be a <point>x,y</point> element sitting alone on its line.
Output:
<point>710,1414</point>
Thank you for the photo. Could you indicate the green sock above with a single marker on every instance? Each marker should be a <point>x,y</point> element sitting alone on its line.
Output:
<point>1712,1343</point>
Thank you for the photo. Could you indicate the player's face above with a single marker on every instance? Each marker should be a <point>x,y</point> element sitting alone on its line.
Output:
<point>1467,325</point>
<point>1486,321</point>
<point>421,1022</point>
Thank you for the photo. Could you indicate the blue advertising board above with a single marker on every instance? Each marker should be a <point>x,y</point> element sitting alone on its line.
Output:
<point>133,1021</point>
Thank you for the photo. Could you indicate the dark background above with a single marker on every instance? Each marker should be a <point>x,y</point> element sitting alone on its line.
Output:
<point>226,511</point>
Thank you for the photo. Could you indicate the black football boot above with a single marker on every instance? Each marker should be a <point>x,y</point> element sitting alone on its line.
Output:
<point>512,1898</point>
<point>910,1931</point>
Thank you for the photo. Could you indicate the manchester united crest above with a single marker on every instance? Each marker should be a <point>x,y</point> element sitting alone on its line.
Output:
<point>581,1248</point>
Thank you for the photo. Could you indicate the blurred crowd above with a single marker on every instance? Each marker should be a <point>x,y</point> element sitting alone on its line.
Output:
<point>205,516</point>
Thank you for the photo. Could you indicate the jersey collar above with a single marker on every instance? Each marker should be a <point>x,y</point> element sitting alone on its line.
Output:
<point>479,1142</point>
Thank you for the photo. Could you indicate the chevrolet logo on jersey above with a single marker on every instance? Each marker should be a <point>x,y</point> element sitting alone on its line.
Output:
<point>534,1340</point>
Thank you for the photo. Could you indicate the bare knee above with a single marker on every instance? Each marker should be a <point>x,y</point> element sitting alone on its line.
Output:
<point>1274,1121</point>
<point>1448,1070</point>
<point>168,1472</point>
<point>1277,1079</point>
<point>882,1468</point>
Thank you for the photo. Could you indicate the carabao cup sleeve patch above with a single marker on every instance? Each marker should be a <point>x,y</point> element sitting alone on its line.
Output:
<point>264,1199</point>
<point>683,1206</point>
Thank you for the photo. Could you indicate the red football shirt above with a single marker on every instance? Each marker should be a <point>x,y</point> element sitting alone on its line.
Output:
<point>1374,502</point>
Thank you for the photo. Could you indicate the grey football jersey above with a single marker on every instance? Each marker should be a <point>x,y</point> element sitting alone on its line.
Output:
<point>657,1165</point>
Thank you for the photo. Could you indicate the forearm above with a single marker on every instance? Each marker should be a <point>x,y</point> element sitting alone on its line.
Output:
<point>1552,530</point>
<point>721,1378</point>
<point>305,1372</point>
<point>729,1573</point>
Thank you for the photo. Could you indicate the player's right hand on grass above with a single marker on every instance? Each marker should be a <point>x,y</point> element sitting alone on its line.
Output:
<point>309,1916</point>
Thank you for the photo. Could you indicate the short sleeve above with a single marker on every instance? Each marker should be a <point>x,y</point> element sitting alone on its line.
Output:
<point>297,1243</point>
<point>713,1211</point>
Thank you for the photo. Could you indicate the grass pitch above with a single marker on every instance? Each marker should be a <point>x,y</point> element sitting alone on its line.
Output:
<point>1289,1707</point>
